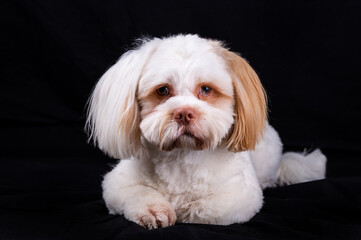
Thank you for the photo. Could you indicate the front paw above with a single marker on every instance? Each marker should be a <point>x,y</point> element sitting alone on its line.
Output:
<point>156,216</point>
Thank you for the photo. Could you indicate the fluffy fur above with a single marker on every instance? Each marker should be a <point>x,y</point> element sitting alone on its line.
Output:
<point>188,119</point>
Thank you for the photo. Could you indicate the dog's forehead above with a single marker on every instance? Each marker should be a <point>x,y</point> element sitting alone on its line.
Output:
<point>184,63</point>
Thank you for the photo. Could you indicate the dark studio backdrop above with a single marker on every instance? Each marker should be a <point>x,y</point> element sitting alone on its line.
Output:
<point>307,54</point>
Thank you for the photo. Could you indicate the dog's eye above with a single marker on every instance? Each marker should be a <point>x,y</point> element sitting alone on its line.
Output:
<point>205,90</point>
<point>163,91</point>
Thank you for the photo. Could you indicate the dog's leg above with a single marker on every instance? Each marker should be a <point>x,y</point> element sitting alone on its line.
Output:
<point>235,200</point>
<point>126,192</point>
<point>222,208</point>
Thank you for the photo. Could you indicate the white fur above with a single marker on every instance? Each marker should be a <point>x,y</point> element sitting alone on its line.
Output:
<point>111,100</point>
<point>222,189</point>
<point>161,178</point>
<point>301,167</point>
<point>267,157</point>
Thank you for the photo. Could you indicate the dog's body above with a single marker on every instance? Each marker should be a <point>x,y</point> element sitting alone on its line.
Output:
<point>188,119</point>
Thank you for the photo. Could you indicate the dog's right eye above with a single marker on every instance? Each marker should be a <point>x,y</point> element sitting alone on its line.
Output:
<point>163,91</point>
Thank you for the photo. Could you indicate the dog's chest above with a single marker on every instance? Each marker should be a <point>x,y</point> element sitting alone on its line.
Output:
<point>175,178</point>
<point>189,177</point>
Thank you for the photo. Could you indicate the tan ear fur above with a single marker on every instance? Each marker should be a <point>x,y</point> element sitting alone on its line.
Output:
<point>129,126</point>
<point>250,104</point>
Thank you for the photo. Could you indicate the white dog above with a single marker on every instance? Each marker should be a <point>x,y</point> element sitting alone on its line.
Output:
<point>188,119</point>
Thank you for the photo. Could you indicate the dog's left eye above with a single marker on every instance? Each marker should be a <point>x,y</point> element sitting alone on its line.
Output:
<point>205,90</point>
<point>163,91</point>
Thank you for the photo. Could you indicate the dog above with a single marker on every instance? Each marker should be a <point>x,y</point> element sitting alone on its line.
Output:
<point>187,118</point>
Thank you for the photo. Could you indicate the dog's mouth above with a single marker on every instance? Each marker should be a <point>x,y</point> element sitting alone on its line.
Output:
<point>187,134</point>
<point>185,139</point>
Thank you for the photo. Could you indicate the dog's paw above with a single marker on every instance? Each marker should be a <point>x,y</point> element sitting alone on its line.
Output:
<point>156,216</point>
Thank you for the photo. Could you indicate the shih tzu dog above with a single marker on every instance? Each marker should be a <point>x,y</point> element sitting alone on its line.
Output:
<point>188,119</point>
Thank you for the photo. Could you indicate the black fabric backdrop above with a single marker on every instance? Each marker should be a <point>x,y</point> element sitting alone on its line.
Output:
<point>307,54</point>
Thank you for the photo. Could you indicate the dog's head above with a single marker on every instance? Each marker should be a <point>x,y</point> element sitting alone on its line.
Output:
<point>178,92</point>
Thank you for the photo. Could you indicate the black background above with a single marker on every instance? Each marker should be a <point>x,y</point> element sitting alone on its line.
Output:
<point>307,54</point>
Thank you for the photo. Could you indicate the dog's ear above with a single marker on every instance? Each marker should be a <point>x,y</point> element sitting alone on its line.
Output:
<point>250,103</point>
<point>113,112</point>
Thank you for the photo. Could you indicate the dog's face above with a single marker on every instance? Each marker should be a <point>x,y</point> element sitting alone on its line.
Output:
<point>178,92</point>
<point>186,96</point>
